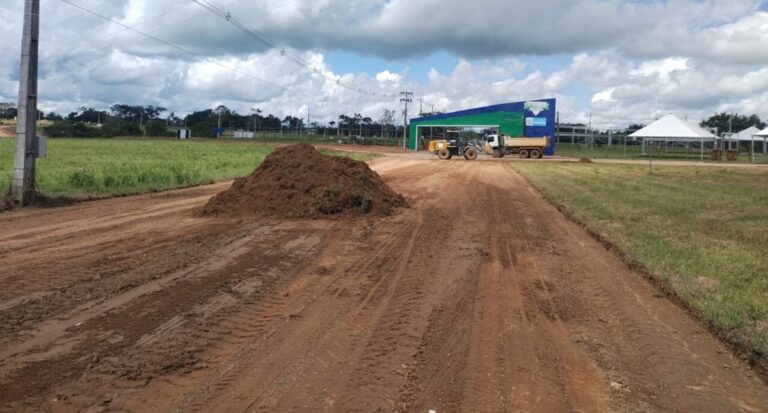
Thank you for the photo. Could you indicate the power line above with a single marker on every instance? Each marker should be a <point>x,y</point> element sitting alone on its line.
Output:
<point>234,21</point>
<point>169,44</point>
<point>229,18</point>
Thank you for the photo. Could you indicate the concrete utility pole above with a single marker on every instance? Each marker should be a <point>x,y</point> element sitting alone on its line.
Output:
<point>23,185</point>
<point>406,99</point>
<point>218,129</point>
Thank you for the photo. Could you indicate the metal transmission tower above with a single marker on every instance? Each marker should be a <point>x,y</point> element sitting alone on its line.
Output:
<point>407,98</point>
<point>23,185</point>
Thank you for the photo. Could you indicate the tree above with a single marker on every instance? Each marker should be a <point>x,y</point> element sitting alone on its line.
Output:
<point>222,112</point>
<point>632,128</point>
<point>53,116</point>
<point>130,113</point>
<point>257,118</point>
<point>88,115</point>
<point>7,110</point>
<point>272,121</point>
<point>387,119</point>
<point>174,120</point>
<point>725,122</point>
<point>293,122</point>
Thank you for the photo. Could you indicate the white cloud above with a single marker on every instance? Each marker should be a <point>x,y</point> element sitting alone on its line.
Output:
<point>623,61</point>
<point>387,76</point>
<point>663,68</point>
<point>604,96</point>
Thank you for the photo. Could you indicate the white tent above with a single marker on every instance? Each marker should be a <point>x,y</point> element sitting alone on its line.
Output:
<point>745,135</point>
<point>763,134</point>
<point>670,128</point>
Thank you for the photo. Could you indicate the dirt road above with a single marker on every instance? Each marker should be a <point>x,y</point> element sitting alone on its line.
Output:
<point>481,298</point>
<point>7,132</point>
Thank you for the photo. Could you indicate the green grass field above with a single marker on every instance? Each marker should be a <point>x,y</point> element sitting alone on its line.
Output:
<point>116,166</point>
<point>704,230</point>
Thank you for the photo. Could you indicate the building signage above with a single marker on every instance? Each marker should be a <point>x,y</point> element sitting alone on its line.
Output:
<point>536,122</point>
<point>536,107</point>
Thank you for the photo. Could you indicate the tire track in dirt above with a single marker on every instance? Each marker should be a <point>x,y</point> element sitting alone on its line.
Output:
<point>534,312</point>
<point>249,356</point>
<point>247,313</point>
<point>81,277</point>
<point>180,330</point>
<point>332,317</point>
<point>330,334</point>
<point>480,297</point>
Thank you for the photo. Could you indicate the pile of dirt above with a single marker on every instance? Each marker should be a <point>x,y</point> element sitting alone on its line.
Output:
<point>297,181</point>
<point>585,160</point>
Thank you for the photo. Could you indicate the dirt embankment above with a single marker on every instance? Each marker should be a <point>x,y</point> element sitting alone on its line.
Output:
<point>297,181</point>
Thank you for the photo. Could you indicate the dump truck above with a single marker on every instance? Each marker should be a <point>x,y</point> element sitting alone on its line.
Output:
<point>447,148</point>
<point>501,145</point>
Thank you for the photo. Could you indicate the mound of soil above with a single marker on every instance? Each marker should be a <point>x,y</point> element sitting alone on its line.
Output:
<point>297,181</point>
<point>585,160</point>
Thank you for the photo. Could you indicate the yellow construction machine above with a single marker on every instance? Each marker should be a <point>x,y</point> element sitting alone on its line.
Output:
<point>446,149</point>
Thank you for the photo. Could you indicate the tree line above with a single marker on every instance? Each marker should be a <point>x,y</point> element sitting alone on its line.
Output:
<point>138,120</point>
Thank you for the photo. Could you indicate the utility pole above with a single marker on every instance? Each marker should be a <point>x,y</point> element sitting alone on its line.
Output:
<point>23,185</point>
<point>218,130</point>
<point>421,103</point>
<point>405,99</point>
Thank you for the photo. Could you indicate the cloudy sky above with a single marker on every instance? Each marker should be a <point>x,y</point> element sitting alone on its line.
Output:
<point>620,61</point>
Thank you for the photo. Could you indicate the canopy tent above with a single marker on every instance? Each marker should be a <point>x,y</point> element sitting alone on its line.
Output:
<point>670,128</point>
<point>745,135</point>
<point>763,134</point>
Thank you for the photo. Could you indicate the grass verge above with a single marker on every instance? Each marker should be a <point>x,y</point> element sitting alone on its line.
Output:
<point>701,231</point>
<point>104,167</point>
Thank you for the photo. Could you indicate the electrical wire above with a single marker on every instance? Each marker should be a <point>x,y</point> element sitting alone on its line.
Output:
<point>169,44</point>
<point>229,18</point>
<point>261,38</point>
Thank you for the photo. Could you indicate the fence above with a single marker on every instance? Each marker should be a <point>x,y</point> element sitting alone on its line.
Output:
<point>334,136</point>
<point>627,149</point>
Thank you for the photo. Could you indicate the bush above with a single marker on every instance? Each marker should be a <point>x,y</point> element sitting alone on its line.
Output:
<point>158,128</point>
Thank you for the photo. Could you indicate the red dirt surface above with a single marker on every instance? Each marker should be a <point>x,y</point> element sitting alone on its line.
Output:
<point>7,132</point>
<point>479,297</point>
<point>297,181</point>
